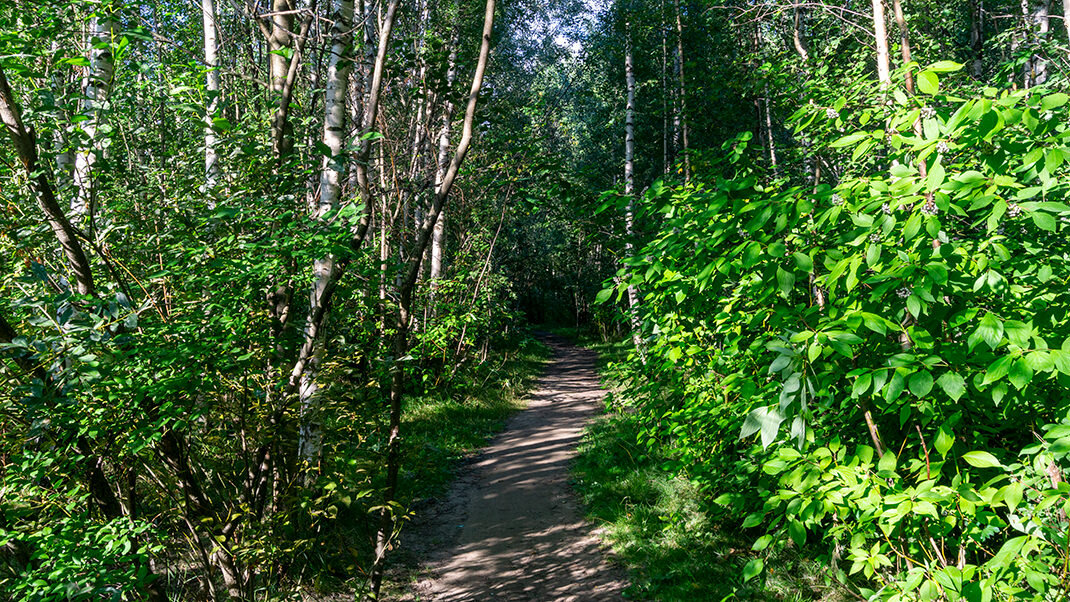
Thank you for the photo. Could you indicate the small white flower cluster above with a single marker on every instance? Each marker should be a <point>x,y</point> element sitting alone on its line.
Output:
<point>930,208</point>
<point>942,147</point>
<point>886,208</point>
<point>875,237</point>
<point>904,292</point>
<point>836,200</point>
<point>832,113</point>
<point>1014,210</point>
<point>928,112</point>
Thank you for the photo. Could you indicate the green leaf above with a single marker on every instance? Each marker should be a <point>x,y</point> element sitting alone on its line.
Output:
<point>921,383</point>
<point>998,369</point>
<point>849,139</point>
<point>981,459</point>
<point>765,420</point>
<point>928,82</point>
<point>752,569</point>
<point>887,462</point>
<point>1020,374</point>
<point>1053,101</point>
<point>797,532</point>
<point>1044,221</point>
<point>861,384</point>
<point>803,262</point>
<point>945,66</point>
<point>990,330</point>
<point>604,295</point>
<point>762,543</point>
<point>952,384</point>
<point>895,387</point>
<point>785,281</point>
<point>944,441</point>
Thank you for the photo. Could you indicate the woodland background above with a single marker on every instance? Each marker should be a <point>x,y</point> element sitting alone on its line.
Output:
<point>267,268</point>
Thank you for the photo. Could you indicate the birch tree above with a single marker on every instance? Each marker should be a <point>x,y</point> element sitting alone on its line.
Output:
<point>212,90</point>
<point>95,85</point>
<point>330,189</point>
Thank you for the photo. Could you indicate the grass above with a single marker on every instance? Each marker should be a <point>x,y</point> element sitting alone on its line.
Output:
<point>441,429</point>
<point>658,526</point>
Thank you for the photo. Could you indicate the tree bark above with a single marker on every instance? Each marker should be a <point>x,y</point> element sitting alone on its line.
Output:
<point>682,91</point>
<point>438,240</point>
<point>332,168</point>
<point>629,192</point>
<point>95,87</point>
<point>880,37</point>
<point>26,147</point>
<point>212,89</point>
<point>904,42</point>
<point>405,295</point>
<point>977,40</point>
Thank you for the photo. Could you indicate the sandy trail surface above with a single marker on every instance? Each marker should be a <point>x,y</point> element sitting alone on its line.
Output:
<point>511,528</point>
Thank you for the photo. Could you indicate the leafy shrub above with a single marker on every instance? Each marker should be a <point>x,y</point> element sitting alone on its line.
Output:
<point>896,340</point>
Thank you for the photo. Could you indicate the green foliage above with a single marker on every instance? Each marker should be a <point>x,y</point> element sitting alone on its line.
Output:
<point>923,291</point>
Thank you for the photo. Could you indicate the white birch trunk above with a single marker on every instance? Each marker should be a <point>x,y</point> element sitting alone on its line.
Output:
<point>682,92</point>
<point>95,87</point>
<point>880,38</point>
<point>334,126</point>
<point>629,191</point>
<point>212,88</point>
<point>438,236</point>
<point>1066,19</point>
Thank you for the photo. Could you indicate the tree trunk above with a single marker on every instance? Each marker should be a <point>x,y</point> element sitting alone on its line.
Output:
<point>904,42</point>
<point>682,91</point>
<point>211,86</point>
<point>438,240</point>
<point>797,38</point>
<point>629,192</point>
<point>977,40</point>
<point>880,37</point>
<point>332,168</point>
<point>26,148</point>
<point>405,295</point>
<point>95,87</point>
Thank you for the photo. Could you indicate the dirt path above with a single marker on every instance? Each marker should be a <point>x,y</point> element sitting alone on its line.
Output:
<point>510,527</point>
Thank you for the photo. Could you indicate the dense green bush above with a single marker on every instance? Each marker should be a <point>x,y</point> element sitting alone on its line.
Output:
<point>896,340</point>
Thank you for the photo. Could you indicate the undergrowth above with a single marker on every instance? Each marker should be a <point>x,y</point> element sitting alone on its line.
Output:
<point>658,524</point>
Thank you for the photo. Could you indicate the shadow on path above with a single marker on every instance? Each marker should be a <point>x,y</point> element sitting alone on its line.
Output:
<point>510,527</point>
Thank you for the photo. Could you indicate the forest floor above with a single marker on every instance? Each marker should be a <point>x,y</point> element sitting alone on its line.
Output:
<point>510,528</point>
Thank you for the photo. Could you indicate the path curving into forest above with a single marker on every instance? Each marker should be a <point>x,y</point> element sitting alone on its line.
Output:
<point>510,528</point>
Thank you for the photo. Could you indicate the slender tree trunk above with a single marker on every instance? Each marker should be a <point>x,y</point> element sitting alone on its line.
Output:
<point>95,87</point>
<point>629,192</point>
<point>438,239</point>
<point>682,91</point>
<point>977,40</point>
<point>797,38</point>
<point>880,37</point>
<point>26,148</point>
<point>1066,19</point>
<point>279,39</point>
<point>904,42</point>
<point>769,133</point>
<point>332,168</point>
<point>405,296</point>
<point>211,60</point>
<point>1041,21</point>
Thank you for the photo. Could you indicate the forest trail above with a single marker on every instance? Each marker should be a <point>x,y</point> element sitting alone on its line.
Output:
<point>510,528</point>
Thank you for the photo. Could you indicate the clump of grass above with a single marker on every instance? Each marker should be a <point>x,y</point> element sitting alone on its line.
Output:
<point>658,527</point>
<point>441,429</point>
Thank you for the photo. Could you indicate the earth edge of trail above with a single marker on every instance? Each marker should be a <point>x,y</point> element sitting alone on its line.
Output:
<point>510,528</point>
